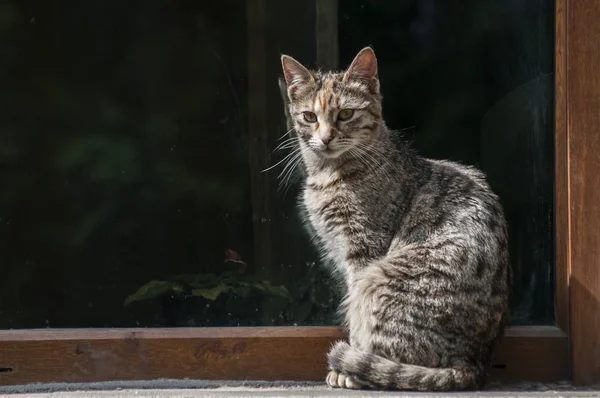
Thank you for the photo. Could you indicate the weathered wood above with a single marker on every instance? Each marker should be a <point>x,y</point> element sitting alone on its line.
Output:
<point>561,167</point>
<point>28,356</point>
<point>583,121</point>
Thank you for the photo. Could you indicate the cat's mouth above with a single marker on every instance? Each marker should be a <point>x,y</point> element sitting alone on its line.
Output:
<point>329,152</point>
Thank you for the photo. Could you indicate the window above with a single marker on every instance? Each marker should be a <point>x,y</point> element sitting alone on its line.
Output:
<point>140,186</point>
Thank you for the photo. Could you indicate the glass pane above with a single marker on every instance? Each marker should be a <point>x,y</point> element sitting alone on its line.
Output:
<point>134,138</point>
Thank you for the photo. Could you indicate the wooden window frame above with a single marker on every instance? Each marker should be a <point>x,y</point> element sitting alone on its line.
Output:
<point>568,351</point>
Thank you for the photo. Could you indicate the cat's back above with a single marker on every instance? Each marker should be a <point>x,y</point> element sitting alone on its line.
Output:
<point>456,199</point>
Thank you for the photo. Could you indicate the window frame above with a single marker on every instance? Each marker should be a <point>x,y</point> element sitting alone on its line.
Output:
<point>567,351</point>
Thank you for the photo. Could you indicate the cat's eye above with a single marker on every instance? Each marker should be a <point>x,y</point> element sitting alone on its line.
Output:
<point>309,117</point>
<point>345,114</point>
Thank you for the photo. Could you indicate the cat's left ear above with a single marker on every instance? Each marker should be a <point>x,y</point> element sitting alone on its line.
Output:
<point>296,75</point>
<point>364,68</point>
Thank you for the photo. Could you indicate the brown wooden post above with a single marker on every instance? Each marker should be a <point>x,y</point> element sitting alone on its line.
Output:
<point>561,167</point>
<point>583,121</point>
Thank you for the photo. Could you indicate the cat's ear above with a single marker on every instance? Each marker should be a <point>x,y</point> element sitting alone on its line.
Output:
<point>364,67</point>
<point>295,74</point>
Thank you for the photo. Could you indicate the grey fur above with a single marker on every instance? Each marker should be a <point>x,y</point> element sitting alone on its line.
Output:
<point>420,245</point>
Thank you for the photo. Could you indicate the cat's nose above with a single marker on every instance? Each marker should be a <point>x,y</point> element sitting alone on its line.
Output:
<point>326,136</point>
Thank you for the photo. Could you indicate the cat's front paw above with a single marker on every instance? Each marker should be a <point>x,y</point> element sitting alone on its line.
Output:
<point>339,380</point>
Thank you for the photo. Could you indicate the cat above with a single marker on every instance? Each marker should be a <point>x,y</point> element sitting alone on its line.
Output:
<point>420,245</point>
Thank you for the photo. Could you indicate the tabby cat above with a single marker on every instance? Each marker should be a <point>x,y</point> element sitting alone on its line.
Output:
<point>419,244</point>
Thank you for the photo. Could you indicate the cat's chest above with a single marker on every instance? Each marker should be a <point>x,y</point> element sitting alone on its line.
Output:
<point>339,222</point>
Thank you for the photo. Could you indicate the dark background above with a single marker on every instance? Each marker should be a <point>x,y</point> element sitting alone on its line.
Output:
<point>125,149</point>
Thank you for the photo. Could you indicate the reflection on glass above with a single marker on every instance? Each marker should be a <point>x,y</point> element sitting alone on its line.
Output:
<point>134,136</point>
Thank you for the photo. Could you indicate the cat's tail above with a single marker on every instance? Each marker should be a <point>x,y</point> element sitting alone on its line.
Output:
<point>376,372</point>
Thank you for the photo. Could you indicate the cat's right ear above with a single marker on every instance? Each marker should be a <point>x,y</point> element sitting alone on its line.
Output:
<point>296,75</point>
<point>364,68</point>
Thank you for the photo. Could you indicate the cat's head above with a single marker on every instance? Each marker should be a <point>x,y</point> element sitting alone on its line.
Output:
<point>335,113</point>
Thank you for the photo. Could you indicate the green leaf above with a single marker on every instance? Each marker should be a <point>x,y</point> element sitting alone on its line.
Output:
<point>186,279</point>
<point>241,291</point>
<point>229,278</point>
<point>203,281</point>
<point>152,290</point>
<point>280,291</point>
<point>256,285</point>
<point>211,293</point>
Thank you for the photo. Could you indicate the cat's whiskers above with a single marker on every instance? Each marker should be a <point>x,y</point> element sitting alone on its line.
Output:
<point>289,146</point>
<point>286,133</point>
<point>280,162</point>
<point>295,155</point>
<point>390,163</point>
<point>370,162</point>
<point>290,161</point>
<point>288,171</point>
<point>287,143</point>
<point>356,153</point>
<point>377,163</point>
<point>385,163</point>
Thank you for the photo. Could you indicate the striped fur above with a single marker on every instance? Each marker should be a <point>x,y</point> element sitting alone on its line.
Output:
<point>420,245</point>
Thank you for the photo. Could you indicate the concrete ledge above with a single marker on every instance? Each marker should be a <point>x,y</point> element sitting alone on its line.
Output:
<point>206,388</point>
